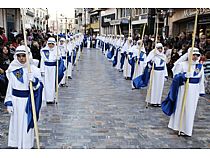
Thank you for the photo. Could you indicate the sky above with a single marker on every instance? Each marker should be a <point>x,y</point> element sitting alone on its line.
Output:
<point>67,12</point>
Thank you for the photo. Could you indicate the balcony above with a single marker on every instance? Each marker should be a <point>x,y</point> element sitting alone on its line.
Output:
<point>30,13</point>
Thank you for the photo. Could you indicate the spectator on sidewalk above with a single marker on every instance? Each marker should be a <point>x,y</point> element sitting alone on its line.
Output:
<point>5,59</point>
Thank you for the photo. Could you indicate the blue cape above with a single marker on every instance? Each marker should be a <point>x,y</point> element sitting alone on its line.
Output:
<point>169,104</point>
<point>115,58</point>
<point>142,80</point>
<point>61,69</point>
<point>38,103</point>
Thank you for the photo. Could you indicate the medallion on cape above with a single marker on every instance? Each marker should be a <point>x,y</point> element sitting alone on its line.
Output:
<point>18,74</point>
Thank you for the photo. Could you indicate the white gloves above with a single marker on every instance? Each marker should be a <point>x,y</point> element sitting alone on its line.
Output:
<point>31,77</point>
<point>188,75</point>
<point>10,109</point>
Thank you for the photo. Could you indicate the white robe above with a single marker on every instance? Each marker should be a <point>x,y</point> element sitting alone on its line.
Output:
<point>191,101</point>
<point>18,136</point>
<point>119,44</point>
<point>138,70</point>
<point>49,73</point>
<point>127,66</point>
<point>69,69</point>
<point>157,80</point>
<point>62,50</point>
<point>88,42</point>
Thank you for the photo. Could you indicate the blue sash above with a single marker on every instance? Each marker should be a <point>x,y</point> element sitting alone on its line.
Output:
<point>20,93</point>
<point>50,63</point>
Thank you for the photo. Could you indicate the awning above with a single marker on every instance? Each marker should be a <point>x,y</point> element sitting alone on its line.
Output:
<point>94,13</point>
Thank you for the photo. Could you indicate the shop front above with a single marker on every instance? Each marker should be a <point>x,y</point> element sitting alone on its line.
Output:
<point>184,19</point>
<point>105,23</point>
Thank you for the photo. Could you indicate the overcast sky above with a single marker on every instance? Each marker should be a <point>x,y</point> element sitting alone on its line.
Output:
<point>67,12</point>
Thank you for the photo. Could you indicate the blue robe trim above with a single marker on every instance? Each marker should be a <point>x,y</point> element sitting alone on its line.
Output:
<point>36,82</point>
<point>46,53</point>
<point>111,53</point>
<point>161,61</point>
<point>50,63</point>
<point>142,80</point>
<point>20,93</point>
<point>38,103</point>
<point>115,58</point>
<point>169,104</point>
<point>18,74</point>
<point>197,69</point>
<point>122,60</point>
<point>61,69</point>
<point>8,103</point>
<point>141,57</point>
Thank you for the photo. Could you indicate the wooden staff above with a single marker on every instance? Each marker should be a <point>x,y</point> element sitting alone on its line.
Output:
<point>152,71</point>
<point>66,54</point>
<point>189,70</point>
<point>129,35</point>
<point>57,63</point>
<point>30,82</point>
<point>142,37</point>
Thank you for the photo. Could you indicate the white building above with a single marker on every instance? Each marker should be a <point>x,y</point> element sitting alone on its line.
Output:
<point>30,15</point>
<point>40,18</point>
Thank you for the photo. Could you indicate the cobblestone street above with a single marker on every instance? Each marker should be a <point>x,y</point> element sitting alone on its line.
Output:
<point>99,109</point>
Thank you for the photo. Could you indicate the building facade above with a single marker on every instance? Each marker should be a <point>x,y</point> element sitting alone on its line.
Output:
<point>79,19</point>
<point>108,24</point>
<point>183,20</point>
<point>10,19</point>
<point>40,20</point>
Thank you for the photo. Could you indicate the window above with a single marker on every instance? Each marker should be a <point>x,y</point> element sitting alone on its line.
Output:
<point>136,11</point>
<point>133,12</point>
<point>123,12</point>
<point>127,12</point>
<point>118,13</point>
<point>76,21</point>
<point>144,10</point>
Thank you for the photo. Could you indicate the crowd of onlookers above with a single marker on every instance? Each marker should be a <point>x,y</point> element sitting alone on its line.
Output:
<point>36,39</point>
<point>174,47</point>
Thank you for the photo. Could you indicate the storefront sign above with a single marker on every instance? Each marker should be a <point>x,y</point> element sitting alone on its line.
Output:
<point>107,19</point>
<point>192,12</point>
<point>114,22</point>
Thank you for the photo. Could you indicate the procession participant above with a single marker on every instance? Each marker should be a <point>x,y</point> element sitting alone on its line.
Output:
<point>70,56</point>
<point>63,51</point>
<point>157,57</point>
<point>117,49</point>
<point>48,69</point>
<point>127,66</point>
<point>18,99</point>
<point>120,56</point>
<point>196,89</point>
<point>139,58</point>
